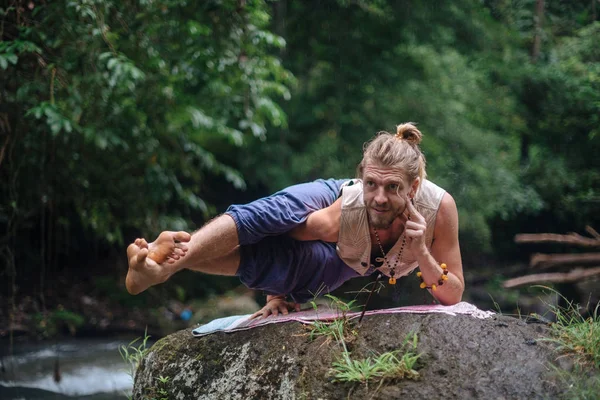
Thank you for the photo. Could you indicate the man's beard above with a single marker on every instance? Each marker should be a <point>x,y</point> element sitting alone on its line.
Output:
<point>381,221</point>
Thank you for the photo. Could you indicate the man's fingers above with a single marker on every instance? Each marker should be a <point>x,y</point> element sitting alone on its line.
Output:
<point>415,215</point>
<point>415,226</point>
<point>256,314</point>
<point>297,306</point>
<point>414,234</point>
<point>283,308</point>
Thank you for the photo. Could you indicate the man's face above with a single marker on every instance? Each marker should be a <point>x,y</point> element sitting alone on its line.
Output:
<point>385,194</point>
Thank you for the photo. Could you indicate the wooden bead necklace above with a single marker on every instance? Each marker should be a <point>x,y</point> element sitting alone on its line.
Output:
<point>392,280</point>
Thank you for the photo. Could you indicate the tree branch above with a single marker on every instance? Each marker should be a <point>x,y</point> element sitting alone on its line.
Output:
<point>554,277</point>
<point>556,260</point>
<point>571,238</point>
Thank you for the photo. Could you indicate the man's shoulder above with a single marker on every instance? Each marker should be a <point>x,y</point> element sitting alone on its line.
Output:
<point>429,196</point>
<point>352,182</point>
<point>352,194</point>
<point>429,185</point>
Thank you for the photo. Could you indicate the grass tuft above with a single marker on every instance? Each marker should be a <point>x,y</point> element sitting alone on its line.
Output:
<point>133,354</point>
<point>398,364</point>
<point>339,329</point>
<point>578,337</point>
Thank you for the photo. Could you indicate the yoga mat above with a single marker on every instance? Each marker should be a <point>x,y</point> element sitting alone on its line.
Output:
<point>325,313</point>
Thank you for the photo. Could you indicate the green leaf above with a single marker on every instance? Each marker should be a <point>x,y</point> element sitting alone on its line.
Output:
<point>12,58</point>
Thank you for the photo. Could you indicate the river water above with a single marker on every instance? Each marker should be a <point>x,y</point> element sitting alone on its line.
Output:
<point>89,369</point>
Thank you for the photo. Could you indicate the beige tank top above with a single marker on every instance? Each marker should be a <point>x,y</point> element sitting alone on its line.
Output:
<point>354,241</point>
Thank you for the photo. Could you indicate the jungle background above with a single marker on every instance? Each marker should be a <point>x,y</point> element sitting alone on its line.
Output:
<point>120,119</point>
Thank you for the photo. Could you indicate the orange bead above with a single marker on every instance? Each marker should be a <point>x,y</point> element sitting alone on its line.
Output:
<point>419,274</point>
<point>444,266</point>
<point>423,285</point>
<point>433,287</point>
<point>445,277</point>
<point>392,281</point>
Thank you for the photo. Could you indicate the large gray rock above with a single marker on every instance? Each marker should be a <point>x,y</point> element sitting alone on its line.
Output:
<point>462,358</point>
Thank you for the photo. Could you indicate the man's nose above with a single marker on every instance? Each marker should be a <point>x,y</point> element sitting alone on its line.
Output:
<point>380,196</point>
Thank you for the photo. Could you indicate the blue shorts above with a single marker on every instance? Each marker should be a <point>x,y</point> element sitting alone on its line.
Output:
<point>273,262</point>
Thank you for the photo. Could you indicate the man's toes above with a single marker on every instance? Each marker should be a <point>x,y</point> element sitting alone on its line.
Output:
<point>141,256</point>
<point>164,237</point>
<point>178,252</point>
<point>181,246</point>
<point>182,236</point>
<point>131,249</point>
<point>143,243</point>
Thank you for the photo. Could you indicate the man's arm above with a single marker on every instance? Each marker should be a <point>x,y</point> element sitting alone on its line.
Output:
<point>445,249</point>
<point>322,225</point>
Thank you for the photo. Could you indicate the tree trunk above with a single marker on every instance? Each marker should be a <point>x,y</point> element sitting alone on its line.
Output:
<point>538,20</point>
<point>537,33</point>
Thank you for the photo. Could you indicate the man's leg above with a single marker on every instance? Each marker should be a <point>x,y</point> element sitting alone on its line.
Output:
<point>153,263</point>
<point>150,264</point>
<point>279,213</point>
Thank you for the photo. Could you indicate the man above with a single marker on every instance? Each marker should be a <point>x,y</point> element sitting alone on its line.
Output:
<point>313,237</point>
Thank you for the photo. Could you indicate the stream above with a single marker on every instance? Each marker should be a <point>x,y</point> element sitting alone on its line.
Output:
<point>89,369</point>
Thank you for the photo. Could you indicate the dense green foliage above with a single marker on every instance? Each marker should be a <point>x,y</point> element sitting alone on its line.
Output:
<point>123,118</point>
<point>113,110</point>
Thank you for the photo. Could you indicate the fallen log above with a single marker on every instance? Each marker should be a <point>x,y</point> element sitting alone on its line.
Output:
<point>570,238</point>
<point>541,260</point>
<point>553,277</point>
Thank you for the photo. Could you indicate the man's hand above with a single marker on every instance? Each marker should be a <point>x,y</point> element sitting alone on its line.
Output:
<point>415,230</point>
<point>274,306</point>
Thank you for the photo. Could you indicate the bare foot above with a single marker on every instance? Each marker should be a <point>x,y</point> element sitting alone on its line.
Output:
<point>150,264</point>
<point>168,247</point>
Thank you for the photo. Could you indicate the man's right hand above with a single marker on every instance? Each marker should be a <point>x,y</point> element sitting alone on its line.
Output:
<point>274,306</point>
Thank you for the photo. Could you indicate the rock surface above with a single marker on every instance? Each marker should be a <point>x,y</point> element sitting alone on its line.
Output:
<point>461,358</point>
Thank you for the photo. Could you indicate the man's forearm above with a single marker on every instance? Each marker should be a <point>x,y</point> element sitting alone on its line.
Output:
<point>451,291</point>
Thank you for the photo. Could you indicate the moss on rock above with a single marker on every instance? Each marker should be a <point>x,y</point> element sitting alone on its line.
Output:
<point>462,357</point>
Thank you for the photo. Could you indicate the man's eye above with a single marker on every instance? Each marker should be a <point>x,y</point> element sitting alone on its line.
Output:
<point>393,186</point>
<point>370,183</point>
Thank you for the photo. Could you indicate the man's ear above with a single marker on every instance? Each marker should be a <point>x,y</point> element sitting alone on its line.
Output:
<point>414,187</point>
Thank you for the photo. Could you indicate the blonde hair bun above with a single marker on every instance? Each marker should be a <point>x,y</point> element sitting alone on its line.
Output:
<point>409,132</point>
